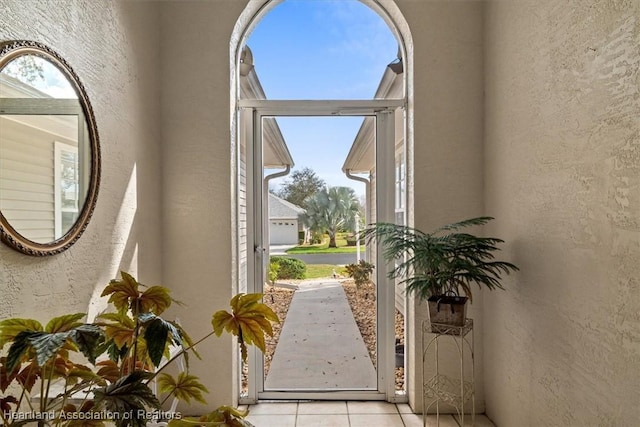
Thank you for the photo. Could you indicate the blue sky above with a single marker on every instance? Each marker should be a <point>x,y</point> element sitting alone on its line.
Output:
<point>321,49</point>
<point>52,81</point>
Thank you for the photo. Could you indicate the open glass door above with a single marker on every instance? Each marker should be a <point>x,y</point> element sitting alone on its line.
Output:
<point>254,261</point>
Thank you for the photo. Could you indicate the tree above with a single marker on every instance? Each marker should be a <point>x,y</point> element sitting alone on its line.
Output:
<point>331,210</point>
<point>301,185</point>
<point>26,68</point>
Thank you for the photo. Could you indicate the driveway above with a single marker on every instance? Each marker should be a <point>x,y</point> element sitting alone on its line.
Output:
<point>279,249</point>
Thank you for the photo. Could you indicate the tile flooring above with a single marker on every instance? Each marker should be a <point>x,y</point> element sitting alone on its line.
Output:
<point>347,414</point>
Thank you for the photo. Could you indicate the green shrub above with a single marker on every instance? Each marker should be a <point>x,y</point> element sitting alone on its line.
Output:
<point>289,268</point>
<point>360,272</point>
<point>274,268</point>
<point>316,238</point>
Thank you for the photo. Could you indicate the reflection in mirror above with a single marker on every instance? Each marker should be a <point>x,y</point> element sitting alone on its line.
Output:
<point>49,158</point>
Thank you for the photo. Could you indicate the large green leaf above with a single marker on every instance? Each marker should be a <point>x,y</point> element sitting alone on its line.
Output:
<point>157,333</point>
<point>10,328</point>
<point>155,299</point>
<point>120,330</point>
<point>83,374</point>
<point>122,292</point>
<point>125,294</point>
<point>64,323</point>
<point>20,345</point>
<point>128,395</point>
<point>116,353</point>
<point>89,339</point>
<point>249,320</point>
<point>47,345</point>
<point>186,387</point>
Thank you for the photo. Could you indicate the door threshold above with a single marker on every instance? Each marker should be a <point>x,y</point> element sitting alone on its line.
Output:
<point>274,397</point>
<point>320,395</point>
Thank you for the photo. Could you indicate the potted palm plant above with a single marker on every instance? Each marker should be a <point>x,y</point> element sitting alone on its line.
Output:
<point>440,267</point>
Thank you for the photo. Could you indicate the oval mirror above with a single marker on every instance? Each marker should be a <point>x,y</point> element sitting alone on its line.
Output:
<point>49,151</point>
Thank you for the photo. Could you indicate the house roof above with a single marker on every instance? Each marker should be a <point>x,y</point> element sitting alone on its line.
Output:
<point>361,155</point>
<point>276,153</point>
<point>280,208</point>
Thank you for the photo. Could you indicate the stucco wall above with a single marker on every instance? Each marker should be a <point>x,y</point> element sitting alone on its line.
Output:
<point>113,48</point>
<point>198,184</point>
<point>562,173</point>
<point>448,70</point>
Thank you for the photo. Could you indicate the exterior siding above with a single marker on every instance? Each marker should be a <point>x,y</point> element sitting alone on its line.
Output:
<point>27,198</point>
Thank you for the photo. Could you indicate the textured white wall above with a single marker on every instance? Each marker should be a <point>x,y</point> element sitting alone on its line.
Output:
<point>562,174</point>
<point>113,48</point>
<point>448,156</point>
<point>197,173</point>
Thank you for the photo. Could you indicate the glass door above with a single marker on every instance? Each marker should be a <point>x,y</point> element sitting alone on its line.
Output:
<point>380,384</point>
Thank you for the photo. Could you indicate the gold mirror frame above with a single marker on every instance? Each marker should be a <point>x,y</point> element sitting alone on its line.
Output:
<point>8,234</point>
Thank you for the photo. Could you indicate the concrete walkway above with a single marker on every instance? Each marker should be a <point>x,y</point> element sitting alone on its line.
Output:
<point>320,346</point>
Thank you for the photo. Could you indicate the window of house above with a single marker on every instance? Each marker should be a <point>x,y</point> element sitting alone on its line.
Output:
<point>67,187</point>
<point>400,188</point>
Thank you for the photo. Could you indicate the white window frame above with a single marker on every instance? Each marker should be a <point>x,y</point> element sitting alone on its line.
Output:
<point>58,149</point>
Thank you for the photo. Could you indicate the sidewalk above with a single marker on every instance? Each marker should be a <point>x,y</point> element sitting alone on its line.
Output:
<point>320,346</point>
<point>279,249</point>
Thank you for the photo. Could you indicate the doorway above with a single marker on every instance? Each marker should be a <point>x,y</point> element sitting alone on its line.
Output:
<point>255,117</point>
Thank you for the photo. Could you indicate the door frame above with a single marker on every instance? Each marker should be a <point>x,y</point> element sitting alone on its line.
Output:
<point>250,114</point>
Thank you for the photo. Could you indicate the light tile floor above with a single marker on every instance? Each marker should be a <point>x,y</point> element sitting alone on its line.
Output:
<point>347,414</point>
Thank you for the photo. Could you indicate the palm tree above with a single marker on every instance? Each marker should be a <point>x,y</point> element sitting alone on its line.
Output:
<point>331,210</point>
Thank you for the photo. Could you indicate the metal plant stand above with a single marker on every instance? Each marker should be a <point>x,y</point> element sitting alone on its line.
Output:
<point>441,388</point>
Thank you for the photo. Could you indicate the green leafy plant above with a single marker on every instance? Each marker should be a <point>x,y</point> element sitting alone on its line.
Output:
<point>316,238</point>
<point>443,262</point>
<point>123,351</point>
<point>360,272</point>
<point>289,268</point>
<point>351,240</point>
<point>274,269</point>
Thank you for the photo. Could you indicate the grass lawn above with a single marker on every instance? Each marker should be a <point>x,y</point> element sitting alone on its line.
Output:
<point>323,248</point>
<point>318,271</point>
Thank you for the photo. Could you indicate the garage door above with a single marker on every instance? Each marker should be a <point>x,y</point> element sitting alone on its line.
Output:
<point>284,232</point>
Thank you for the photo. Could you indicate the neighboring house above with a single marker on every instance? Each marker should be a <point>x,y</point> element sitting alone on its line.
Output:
<point>361,160</point>
<point>275,156</point>
<point>40,184</point>
<point>284,224</point>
